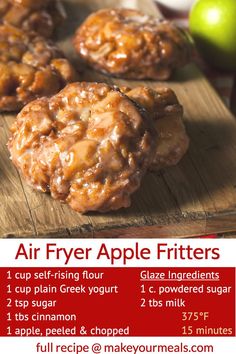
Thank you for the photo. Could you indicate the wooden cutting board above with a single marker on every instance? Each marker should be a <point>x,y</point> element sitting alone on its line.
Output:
<point>196,197</point>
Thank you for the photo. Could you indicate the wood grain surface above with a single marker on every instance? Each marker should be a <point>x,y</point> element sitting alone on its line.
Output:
<point>194,198</point>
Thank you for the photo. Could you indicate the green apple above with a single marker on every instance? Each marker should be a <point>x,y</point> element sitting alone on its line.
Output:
<point>213,28</point>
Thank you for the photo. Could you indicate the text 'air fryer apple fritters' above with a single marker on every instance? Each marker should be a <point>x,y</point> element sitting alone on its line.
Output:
<point>89,146</point>
<point>128,44</point>
<point>30,67</point>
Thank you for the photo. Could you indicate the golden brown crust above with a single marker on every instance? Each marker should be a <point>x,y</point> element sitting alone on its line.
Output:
<point>163,107</point>
<point>126,43</point>
<point>30,67</point>
<point>40,16</point>
<point>89,146</point>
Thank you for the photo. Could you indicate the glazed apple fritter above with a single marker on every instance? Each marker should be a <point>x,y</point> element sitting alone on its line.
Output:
<point>89,146</point>
<point>128,44</point>
<point>163,107</point>
<point>30,67</point>
<point>40,16</point>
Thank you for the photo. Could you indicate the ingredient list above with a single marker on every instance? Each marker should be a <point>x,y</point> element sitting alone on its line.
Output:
<point>117,302</point>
